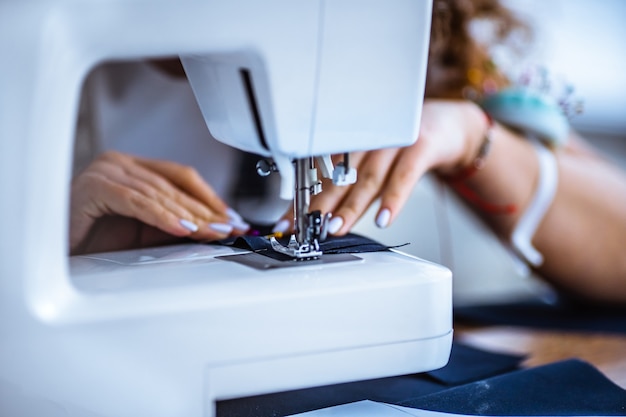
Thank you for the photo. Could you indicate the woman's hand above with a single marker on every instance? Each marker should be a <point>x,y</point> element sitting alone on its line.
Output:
<point>450,135</point>
<point>121,202</point>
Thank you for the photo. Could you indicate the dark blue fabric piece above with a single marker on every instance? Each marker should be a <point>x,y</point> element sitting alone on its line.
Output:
<point>300,401</point>
<point>563,315</point>
<point>568,388</point>
<point>466,364</point>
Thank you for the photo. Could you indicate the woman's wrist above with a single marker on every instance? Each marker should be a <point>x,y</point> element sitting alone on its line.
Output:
<point>476,126</point>
<point>506,183</point>
<point>493,170</point>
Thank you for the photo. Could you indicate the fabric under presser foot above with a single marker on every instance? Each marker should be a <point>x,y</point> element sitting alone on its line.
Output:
<point>335,249</point>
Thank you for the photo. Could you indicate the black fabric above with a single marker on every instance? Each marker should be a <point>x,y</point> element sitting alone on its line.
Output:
<point>568,388</point>
<point>465,364</point>
<point>350,243</point>
<point>563,315</point>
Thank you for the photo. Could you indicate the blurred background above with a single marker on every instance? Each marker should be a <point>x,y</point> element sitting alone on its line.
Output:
<point>583,41</point>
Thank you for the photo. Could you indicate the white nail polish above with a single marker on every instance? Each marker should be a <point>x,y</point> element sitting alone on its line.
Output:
<point>192,227</point>
<point>281,227</point>
<point>334,225</point>
<point>239,224</point>
<point>382,220</point>
<point>221,227</point>
<point>233,215</point>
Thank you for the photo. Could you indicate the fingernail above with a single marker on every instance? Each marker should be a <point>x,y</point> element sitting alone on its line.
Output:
<point>239,224</point>
<point>382,220</point>
<point>221,227</point>
<point>233,215</point>
<point>281,227</point>
<point>334,225</point>
<point>192,227</point>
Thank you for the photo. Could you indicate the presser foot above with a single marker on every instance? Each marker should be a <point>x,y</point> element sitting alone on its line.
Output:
<point>301,252</point>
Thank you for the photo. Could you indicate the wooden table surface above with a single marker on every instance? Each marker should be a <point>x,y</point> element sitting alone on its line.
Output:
<point>607,352</point>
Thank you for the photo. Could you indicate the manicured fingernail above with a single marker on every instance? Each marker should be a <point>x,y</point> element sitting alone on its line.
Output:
<point>334,225</point>
<point>192,227</point>
<point>233,215</point>
<point>239,224</point>
<point>221,227</point>
<point>382,220</point>
<point>281,227</point>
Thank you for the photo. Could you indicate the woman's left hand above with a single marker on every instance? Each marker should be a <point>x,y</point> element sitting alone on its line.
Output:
<point>121,201</point>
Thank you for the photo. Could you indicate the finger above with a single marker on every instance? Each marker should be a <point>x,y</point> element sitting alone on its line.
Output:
<point>115,185</point>
<point>111,197</point>
<point>133,179</point>
<point>163,187</point>
<point>371,179</point>
<point>189,180</point>
<point>329,199</point>
<point>188,189</point>
<point>407,170</point>
<point>332,195</point>
<point>210,224</point>
<point>129,196</point>
<point>284,223</point>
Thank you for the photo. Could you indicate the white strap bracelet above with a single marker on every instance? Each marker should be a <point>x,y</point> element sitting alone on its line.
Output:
<point>528,223</point>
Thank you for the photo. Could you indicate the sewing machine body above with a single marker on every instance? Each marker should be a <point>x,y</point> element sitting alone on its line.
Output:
<point>168,331</point>
<point>205,329</point>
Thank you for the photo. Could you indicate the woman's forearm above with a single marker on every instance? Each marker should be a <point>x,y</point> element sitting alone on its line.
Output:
<point>582,236</point>
<point>584,232</point>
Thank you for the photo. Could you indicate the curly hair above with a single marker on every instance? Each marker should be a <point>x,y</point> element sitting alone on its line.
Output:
<point>454,50</point>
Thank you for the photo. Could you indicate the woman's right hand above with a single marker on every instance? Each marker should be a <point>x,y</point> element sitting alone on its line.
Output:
<point>121,202</point>
<point>451,132</point>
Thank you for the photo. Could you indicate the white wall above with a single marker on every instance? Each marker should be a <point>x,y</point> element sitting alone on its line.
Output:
<point>585,41</point>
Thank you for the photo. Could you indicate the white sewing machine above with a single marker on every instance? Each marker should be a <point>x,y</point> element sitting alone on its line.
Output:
<point>168,331</point>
